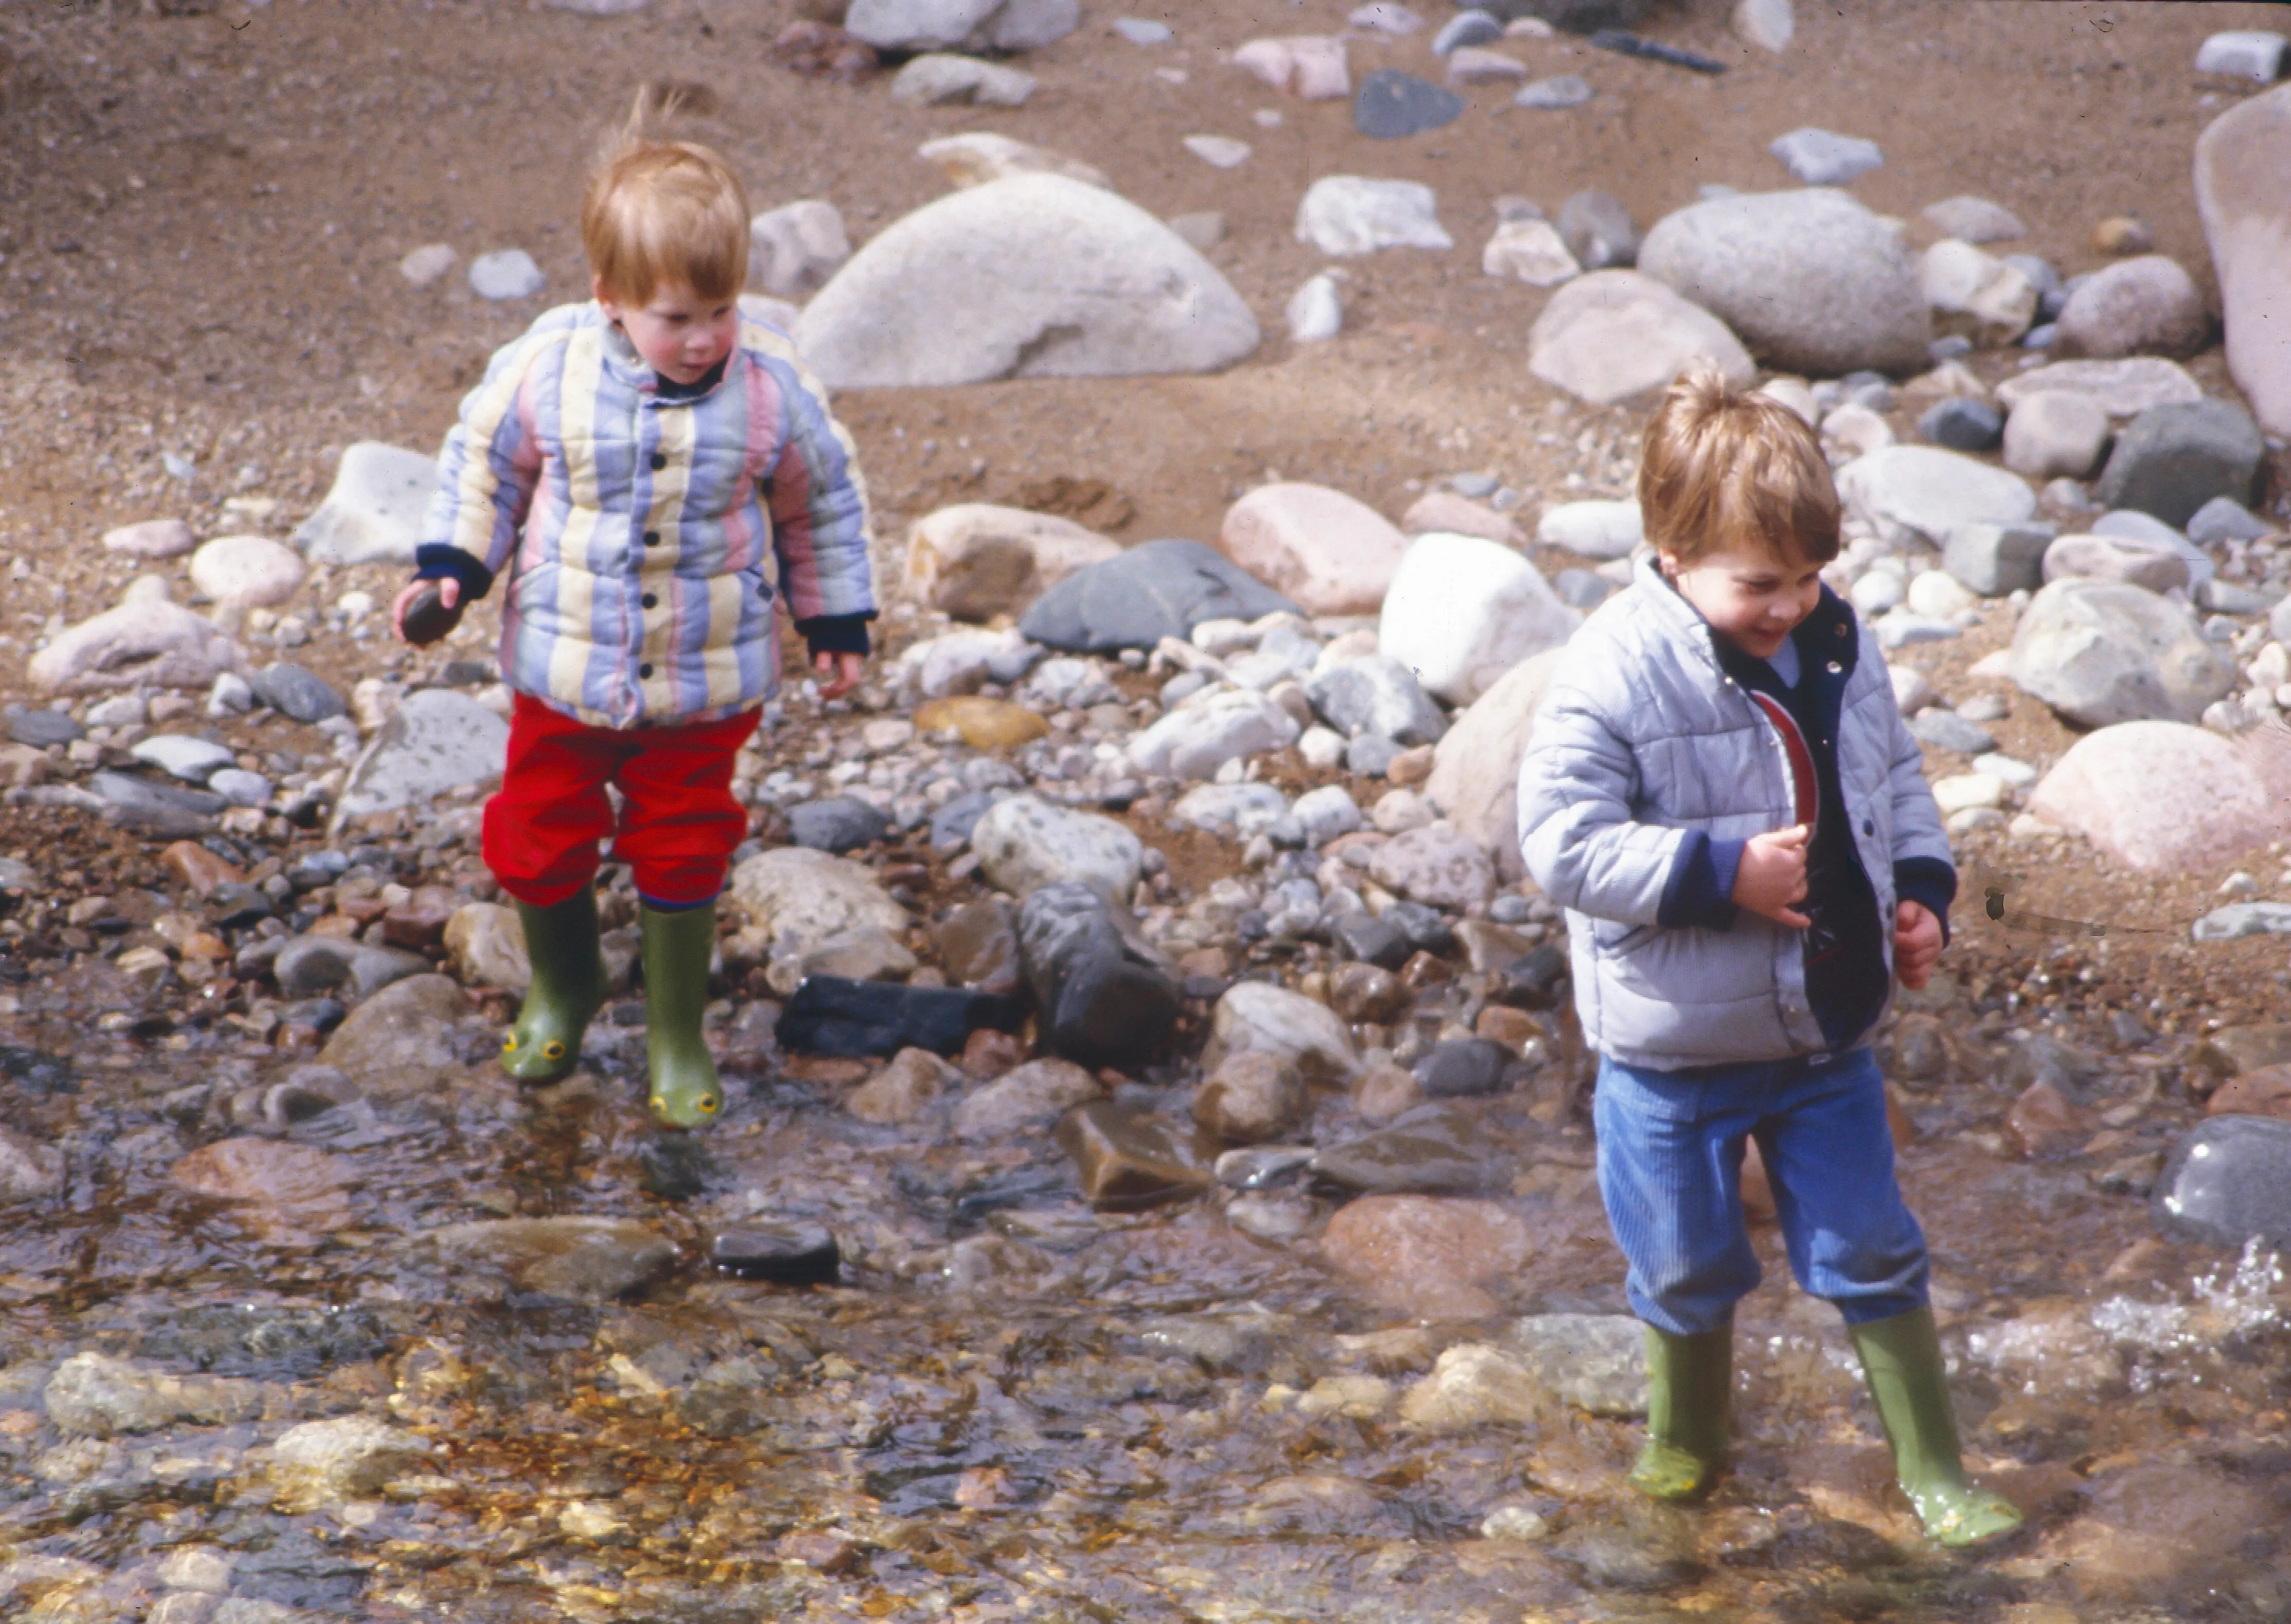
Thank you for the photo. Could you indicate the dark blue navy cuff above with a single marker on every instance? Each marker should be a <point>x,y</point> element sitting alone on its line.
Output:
<point>1929,882</point>
<point>1701,889</point>
<point>437,561</point>
<point>838,633</point>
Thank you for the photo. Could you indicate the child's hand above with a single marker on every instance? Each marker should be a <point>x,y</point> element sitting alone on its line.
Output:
<point>838,673</point>
<point>449,594</point>
<point>1916,943</point>
<point>1772,876</point>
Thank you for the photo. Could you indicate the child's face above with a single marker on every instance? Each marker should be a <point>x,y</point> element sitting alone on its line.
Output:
<point>679,334</point>
<point>1753,600</point>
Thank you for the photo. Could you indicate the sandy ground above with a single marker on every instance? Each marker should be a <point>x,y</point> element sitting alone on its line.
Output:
<point>202,209</point>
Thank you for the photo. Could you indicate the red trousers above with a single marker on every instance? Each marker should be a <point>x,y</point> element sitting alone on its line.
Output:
<point>678,823</point>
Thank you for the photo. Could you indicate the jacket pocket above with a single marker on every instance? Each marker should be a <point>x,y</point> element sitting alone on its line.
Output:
<point>1615,938</point>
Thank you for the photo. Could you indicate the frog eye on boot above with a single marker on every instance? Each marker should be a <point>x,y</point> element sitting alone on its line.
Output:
<point>659,1106</point>
<point>553,1049</point>
<point>708,1104</point>
<point>509,1044</point>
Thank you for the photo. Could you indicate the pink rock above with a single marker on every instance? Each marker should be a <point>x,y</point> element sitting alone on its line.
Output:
<point>1429,1256</point>
<point>1308,65</point>
<point>1457,515</point>
<point>2145,306</point>
<point>1475,766</point>
<point>2240,162</point>
<point>2116,558</point>
<point>248,569</point>
<point>1268,60</point>
<point>143,644</point>
<point>1330,553</point>
<point>154,538</point>
<point>2168,798</point>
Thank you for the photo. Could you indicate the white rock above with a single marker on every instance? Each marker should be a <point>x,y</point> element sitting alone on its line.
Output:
<point>2164,797</point>
<point>1326,813</point>
<point>436,740</point>
<point>154,538</point>
<point>1315,311</point>
<point>2123,388</point>
<point>506,273</point>
<point>1255,1017</point>
<point>195,759</point>
<point>1311,68</point>
<point>1347,214</point>
<point>1939,594</point>
<point>249,569</point>
<point>1960,790</point>
<point>795,897</point>
<point>794,249</point>
<point>1237,809</point>
<point>935,79</point>
<point>2055,434</point>
<point>1327,552</point>
<point>241,788</point>
<point>1037,275</point>
<point>2015,774</point>
<point>1593,529</point>
<point>1144,30</point>
<point>1616,337</point>
<point>1975,295</point>
<point>1219,151</point>
<point>1973,220</point>
<point>2244,54</point>
<point>1198,737</point>
<point>2240,162</point>
<point>1398,811</point>
<point>374,513</point>
<point>1529,250</point>
<point>966,25</point>
<point>1462,611</point>
<point>1766,24</point>
<point>1856,430</point>
<point>1823,157</point>
<point>1795,394</point>
<point>2099,653</point>
<point>2135,560</point>
<point>977,157</point>
<point>143,644</point>
<point>346,1457</point>
<point>1913,691</point>
<point>1810,281</point>
<point>428,264</point>
<point>1322,747</point>
<point>1919,493</point>
<point>1877,592</point>
<point>976,560</point>
<point>962,662</point>
<point>1436,864</point>
<point>1475,65</point>
<point>1023,844</point>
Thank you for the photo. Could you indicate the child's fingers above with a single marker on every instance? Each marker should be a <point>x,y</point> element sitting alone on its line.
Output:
<point>1791,917</point>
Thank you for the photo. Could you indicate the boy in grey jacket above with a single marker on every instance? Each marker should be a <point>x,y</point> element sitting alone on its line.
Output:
<point>1720,792</point>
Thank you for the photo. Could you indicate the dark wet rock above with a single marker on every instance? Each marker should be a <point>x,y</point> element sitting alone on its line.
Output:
<point>1962,424</point>
<point>1575,16</point>
<point>842,824</point>
<point>156,809</point>
<point>297,694</point>
<point>1104,1001</point>
<point>2037,1060</point>
<point>101,1396</point>
<point>2171,460</point>
<point>42,729</point>
<point>1621,1559</point>
<point>977,944</point>
<point>29,1171</point>
<point>1391,104</point>
<point>400,1042</point>
<point>1371,939</point>
<point>952,823</point>
<point>2228,1181</point>
<point>730,1399</point>
<point>1427,930</point>
<point>1594,1361</point>
<point>1467,1067</point>
<point>1162,589</point>
<point>35,1071</point>
<point>308,966</point>
<point>676,1166</point>
<point>830,1015</point>
<point>236,907</point>
<point>1434,1150</point>
<point>1251,1097</point>
<point>265,1341</point>
<point>1536,981</point>
<point>1032,1097</point>
<point>585,1260</point>
<point>1128,1162</point>
<point>1366,992</point>
<point>320,1015</point>
<point>421,919</point>
<point>2045,1122</point>
<point>787,1254</point>
<point>288,1193</point>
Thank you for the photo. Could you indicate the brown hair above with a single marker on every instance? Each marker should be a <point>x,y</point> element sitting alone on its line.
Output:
<point>660,212</point>
<point>1723,467</point>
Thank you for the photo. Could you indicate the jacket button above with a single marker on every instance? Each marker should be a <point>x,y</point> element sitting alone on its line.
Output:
<point>644,670</point>
<point>658,461</point>
<point>651,601</point>
<point>652,538</point>
<point>1868,826</point>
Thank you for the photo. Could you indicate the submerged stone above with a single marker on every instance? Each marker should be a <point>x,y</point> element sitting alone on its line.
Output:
<point>2228,1181</point>
<point>787,1254</point>
<point>1129,1161</point>
<point>1433,1150</point>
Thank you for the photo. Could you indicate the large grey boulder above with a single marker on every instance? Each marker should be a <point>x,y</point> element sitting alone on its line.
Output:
<point>2240,162</point>
<point>2171,460</point>
<point>438,740</point>
<point>962,25</point>
<point>1922,494</point>
<point>374,513</point>
<point>1810,280</point>
<point>2101,652</point>
<point>1616,337</point>
<point>1037,275</point>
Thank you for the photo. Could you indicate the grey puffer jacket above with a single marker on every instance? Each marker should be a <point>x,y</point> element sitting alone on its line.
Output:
<point>1643,737</point>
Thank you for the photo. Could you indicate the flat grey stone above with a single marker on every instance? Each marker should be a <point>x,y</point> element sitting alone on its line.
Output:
<point>193,761</point>
<point>296,693</point>
<point>1162,589</point>
<point>506,273</point>
<point>1390,105</point>
<point>1469,27</point>
<point>2171,460</point>
<point>42,729</point>
<point>374,514</point>
<point>1823,157</point>
<point>310,965</point>
<point>2223,519</point>
<point>1555,95</point>
<point>436,740</point>
<point>1945,729</point>
<point>2242,919</point>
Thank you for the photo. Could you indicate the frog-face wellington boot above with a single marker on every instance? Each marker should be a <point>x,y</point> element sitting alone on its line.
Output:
<point>1902,1357</point>
<point>686,1092</point>
<point>1690,1390</point>
<point>568,984</point>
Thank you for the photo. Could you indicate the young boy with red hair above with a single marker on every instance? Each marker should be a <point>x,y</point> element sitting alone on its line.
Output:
<point>630,465</point>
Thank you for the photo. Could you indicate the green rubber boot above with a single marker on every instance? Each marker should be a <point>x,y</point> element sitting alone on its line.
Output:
<point>568,984</point>
<point>1690,1393</point>
<point>1902,1357</point>
<point>677,948</point>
